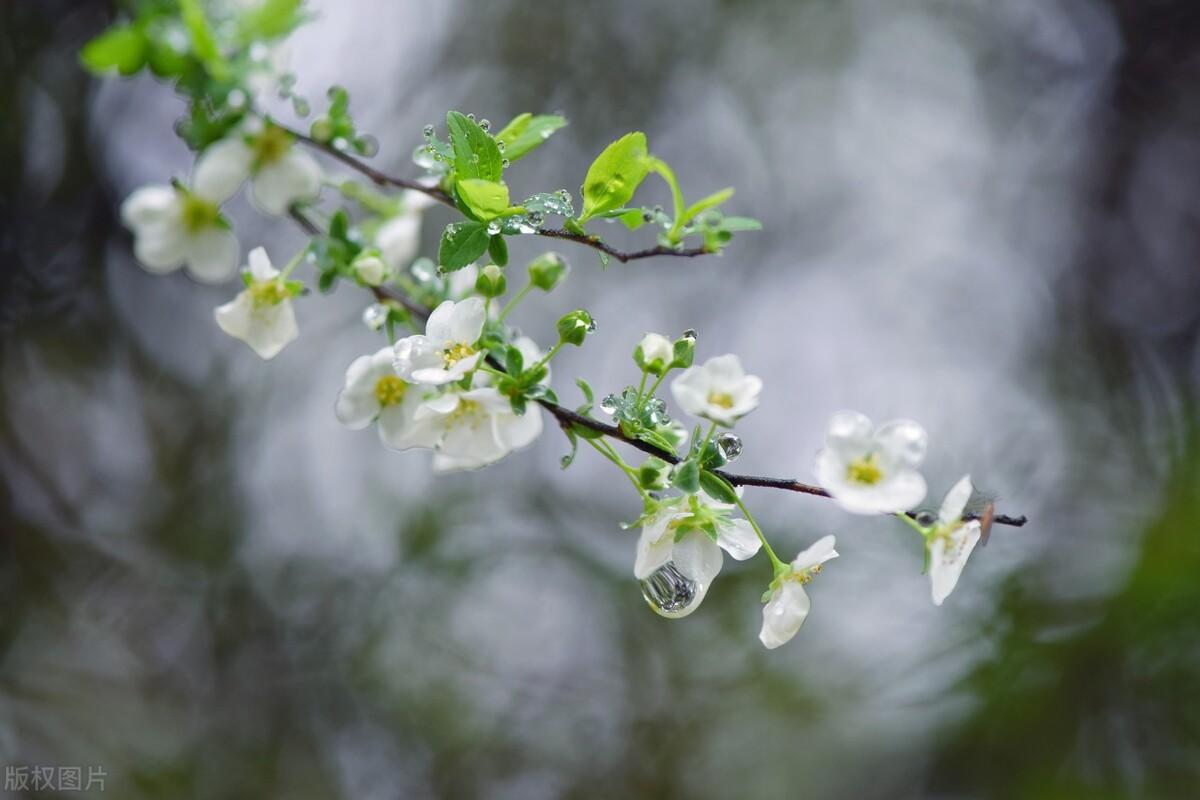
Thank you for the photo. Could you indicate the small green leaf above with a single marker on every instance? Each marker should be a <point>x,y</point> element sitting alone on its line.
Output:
<point>588,395</point>
<point>514,362</point>
<point>686,477</point>
<point>485,199</point>
<point>498,250</point>
<point>270,19</point>
<point>615,175</point>
<point>712,201</point>
<point>121,48</point>
<point>585,433</point>
<point>633,218</point>
<point>527,132</point>
<point>204,44</point>
<point>734,224</point>
<point>569,458</point>
<point>462,243</point>
<point>717,488</point>
<point>475,153</point>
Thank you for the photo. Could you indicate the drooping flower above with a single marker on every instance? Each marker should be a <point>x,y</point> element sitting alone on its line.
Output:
<point>373,392</point>
<point>719,390</point>
<point>261,315</point>
<point>280,172</point>
<point>872,471</point>
<point>787,602</point>
<point>176,226</point>
<point>399,237</point>
<point>447,351</point>
<point>951,541</point>
<point>472,428</point>
<point>686,536</point>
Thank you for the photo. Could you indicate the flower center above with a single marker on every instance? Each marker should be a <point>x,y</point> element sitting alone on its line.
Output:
<point>390,390</point>
<point>865,470</point>
<point>456,352</point>
<point>468,411</point>
<point>270,145</point>
<point>267,293</point>
<point>720,399</point>
<point>198,214</point>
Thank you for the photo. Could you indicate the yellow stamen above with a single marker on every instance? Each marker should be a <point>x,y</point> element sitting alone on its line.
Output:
<point>865,470</point>
<point>468,411</point>
<point>268,293</point>
<point>455,353</point>
<point>197,213</point>
<point>390,390</point>
<point>270,145</point>
<point>722,399</point>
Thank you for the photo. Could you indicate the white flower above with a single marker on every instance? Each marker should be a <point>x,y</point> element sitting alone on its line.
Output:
<point>175,226</point>
<point>446,352</point>
<point>676,534</point>
<point>788,604</point>
<point>400,236</point>
<point>872,471</point>
<point>654,352</point>
<point>261,315</point>
<point>531,354</point>
<point>473,428</point>
<point>719,391</point>
<point>952,541</point>
<point>374,392</point>
<point>280,172</point>
<point>371,269</point>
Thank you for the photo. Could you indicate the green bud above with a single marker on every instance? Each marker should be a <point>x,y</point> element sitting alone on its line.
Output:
<point>654,474</point>
<point>548,270</point>
<point>684,349</point>
<point>491,281</point>
<point>654,354</point>
<point>370,268</point>
<point>574,327</point>
<point>322,129</point>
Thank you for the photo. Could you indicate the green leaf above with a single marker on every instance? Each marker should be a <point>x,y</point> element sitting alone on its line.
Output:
<point>615,175</point>
<point>527,132</point>
<point>270,19</point>
<point>586,388</point>
<point>686,477</point>
<point>121,48</point>
<point>733,224</point>
<point>498,250</point>
<point>585,433</point>
<point>717,488</point>
<point>462,243</point>
<point>569,458</point>
<point>475,153</point>
<point>485,199</point>
<point>633,219</point>
<point>204,44</point>
<point>700,206</point>
<point>514,362</point>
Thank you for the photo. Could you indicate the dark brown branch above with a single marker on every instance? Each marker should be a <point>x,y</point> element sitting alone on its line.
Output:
<point>440,195</point>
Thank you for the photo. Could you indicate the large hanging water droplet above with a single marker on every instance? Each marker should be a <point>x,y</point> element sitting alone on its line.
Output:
<point>730,445</point>
<point>609,404</point>
<point>374,316</point>
<point>671,593</point>
<point>425,157</point>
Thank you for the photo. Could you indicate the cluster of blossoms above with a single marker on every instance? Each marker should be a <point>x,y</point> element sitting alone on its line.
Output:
<point>465,384</point>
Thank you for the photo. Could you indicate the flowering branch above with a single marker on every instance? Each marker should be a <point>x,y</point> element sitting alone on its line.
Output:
<point>466,385</point>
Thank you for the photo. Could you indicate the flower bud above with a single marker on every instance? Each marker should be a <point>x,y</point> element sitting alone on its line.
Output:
<point>548,270</point>
<point>322,129</point>
<point>491,281</point>
<point>654,474</point>
<point>684,349</point>
<point>654,353</point>
<point>574,327</point>
<point>370,269</point>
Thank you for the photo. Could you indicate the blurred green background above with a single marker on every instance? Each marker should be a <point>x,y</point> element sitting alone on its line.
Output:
<point>980,214</point>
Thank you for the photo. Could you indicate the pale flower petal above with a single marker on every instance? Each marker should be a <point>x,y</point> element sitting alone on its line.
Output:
<point>466,324</point>
<point>655,544</point>
<point>398,240</point>
<point>260,265</point>
<point>956,500</point>
<point>737,537</point>
<point>212,255</point>
<point>161,248</point>
<point>948,556</point>
<point>295,177</point>
<point>783,614</point>
<point>697,557</point>
<point>149,205</point>
<point>815,554</point>
<point>267,329</point>
<point>903,441</point>
<point>357,404</point>
<point>221,169</point>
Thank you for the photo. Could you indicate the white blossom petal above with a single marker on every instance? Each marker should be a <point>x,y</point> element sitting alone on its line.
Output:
<point>815,554</point>
<point>221,169</point>
<point>697,557</point>
<point>956,500</point>
<point>466,324</point>
<point>356,403</point>
<point>947,557</point>
<point>783,614</point>
<point>737,537</point>
<point>212,255</point>
<point>419,354</point>
<point>149,205</point>
<point>655,545</point>
<point>267,329</point>
<point>294,177</point>
<point>161,248</point>
<point>903,442</point>
<point>397,429</point>
<point>260,265</point>
<point>398,240</point>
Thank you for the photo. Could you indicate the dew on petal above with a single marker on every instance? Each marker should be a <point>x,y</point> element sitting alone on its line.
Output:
<point>671,593</point>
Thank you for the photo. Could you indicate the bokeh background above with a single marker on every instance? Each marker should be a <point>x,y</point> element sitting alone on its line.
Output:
<point>982,214</point>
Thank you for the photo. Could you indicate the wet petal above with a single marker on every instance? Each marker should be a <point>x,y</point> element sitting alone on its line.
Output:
<point>783,614</point>
<point>956,500</point>
<point>903,441</point>
<point>737,537</point>
<point>817,553</point>
<point>293,178</point>
<point>697,557</point>
<point>212,255</point>
<point>221,169</point>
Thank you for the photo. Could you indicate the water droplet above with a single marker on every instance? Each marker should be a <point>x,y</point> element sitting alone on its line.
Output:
<point>536,218</point>
<point>647,216</point>
<point>493,227</point>
<point>374,316</point>
<point>671,593</point>
<point>925,518</point>
<point>690,333</point>
<point>730,445</point>
<point>427,131</point>
<point>591,328</point>
<point>422,270</point>
<point>424,157</point>
<point>485,124</point>
<point>471,117</point>
<point>340,143</point>
<point>258,51</point>
<point>500,146</point>
<point>564,196</point>
<point>504,162</point>
<point>301,106</point>
<point>609,404</point>
<point>368,145</point>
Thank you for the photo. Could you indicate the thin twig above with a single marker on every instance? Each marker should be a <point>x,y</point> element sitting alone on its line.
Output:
<point>440,195</point>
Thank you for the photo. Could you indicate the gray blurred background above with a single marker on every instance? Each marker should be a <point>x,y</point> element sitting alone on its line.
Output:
<point>979,214</point>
